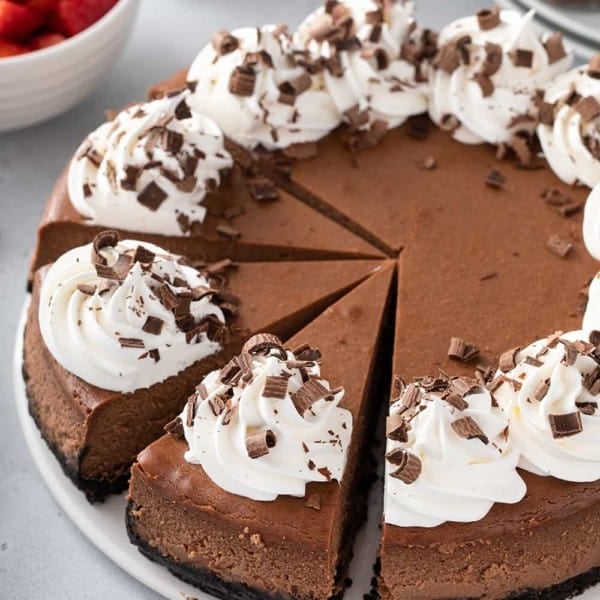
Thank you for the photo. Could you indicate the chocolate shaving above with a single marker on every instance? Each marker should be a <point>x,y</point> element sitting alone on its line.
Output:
<point>131,342</point>
<point>466,427</point>
<point>555,49</point>
<point>242,81</point>
<point>325,472</point>
<point>218,404</point>
<point>263,190</point>
<point>87,190</point>
<point>508,359</point>
<point>182,111</point>
<point>541,390</point>
<point>275,386</point>
<point>587,407</point>
<point>89,289</point>
<point>559,246</point>
<point>594,337</point>
<point>588,108</point>
<point>356,118</point>
<point>152,196</point>
<point>263,343</point>
<point>190,413</point>
<point>295,87</point>
<point>522,57</point>
<point>305,352</point>
<point>461,350</point>
<point>171,141</point>
<point>108,238</point>
<point>143,255</point>
<point>311,391</point>
<point>153,325</point>
<point>456,400</point>
<point>565,425</point>
<point>546,113</point>
<point>258,444</point>
<point>224,43</point>
<point>488,18</point>
<point>313,501</point>
<point>175,428</point>
<point>485,83</point>
<point>409,467</point>
<point>167,298</point>
<point>396,428</point>
<point>593,69</point>
<point>228,231</point>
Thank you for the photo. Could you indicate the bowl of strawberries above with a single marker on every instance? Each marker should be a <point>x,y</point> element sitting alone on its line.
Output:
<point>54,52</point>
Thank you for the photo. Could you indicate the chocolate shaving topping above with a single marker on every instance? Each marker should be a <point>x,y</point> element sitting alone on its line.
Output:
<point>153,325</point>
<point>275,386</point>
<point>306,353</point>
<point>449,123</point>
<point>456,400</point>
<point>409,467</point>
<point>461,350</point>
<point>152,196</point>
<point>488,18</point>
<point>171,141</point>
<point>175,428</point>
<point>485,83</point>
<point>587,408</point>
<point>396,428</point>
<point>263,343</point>
<point>220,266</point>
<point>546,113</point>
<point>87,190</point>
<point>508,359</point>
<point>520,147</point>
<point>559,246</point>
<point>182,111</point>
<point>541,390</point>
<point>311,391</point>
<point>522,57</point>
<point>242,81</point>
<point>262,189</point>
<point>532,361</point>
<point>296,86</point>
<point>313,501</point>
<point>356,118</point>
<point>89,289</point>
<point>131,342</point>
<point>167,298</point>
<point>228,231</point>
<point>593,69</point>
<point>588,108</point>
<point>565,425</point>
<point>325,472</point>
<point>218,404</point>
<point>594,337</point>
<point>108,238</point>
<point>129,182</point>
<point>224,43</point>
<point>466,427</point>
<point>258,444</point>
<point>555,49</point>
<point>143,255</point>
<point>190,413</point>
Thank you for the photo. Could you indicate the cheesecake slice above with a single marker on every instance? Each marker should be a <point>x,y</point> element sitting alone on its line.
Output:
<point>291,547</point>
<point>96,433</point>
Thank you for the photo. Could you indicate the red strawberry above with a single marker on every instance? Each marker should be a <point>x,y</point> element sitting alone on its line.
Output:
<point>44,6</point>
<point>16,21</point>
<point>44,40</point>
<point>8,48</point>
<point>74,16</point>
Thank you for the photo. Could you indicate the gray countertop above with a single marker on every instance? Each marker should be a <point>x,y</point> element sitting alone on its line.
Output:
<point>42,554</point>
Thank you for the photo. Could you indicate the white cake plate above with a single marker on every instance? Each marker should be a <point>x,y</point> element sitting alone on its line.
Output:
<point>104,524</point>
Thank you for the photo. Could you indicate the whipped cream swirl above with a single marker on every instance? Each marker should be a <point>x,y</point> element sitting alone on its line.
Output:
<point>591,317</point>
<point>551,398</point>
<point>259,91</point>
<point>570,133</point>
<point>372,53</point>
<point>449,456</point>
<point>146,317</point>
<point>487,72</point>
<point>150,168</point>
<point>267,423</point>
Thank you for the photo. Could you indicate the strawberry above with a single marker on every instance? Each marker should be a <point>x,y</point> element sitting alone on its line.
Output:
<point>43,6</point>
<point>74,16</point>
<point>17,21</point>
<point>8,48</point>
<point>44,40</point>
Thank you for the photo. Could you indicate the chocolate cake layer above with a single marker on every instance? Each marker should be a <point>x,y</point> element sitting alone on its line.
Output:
<point>97,433</point>
<point>287,547</point>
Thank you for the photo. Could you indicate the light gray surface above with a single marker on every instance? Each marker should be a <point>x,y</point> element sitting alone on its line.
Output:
<point>42,554</point>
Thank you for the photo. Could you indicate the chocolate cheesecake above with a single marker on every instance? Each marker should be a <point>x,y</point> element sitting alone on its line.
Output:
<point>292,547</point>
<point>96,432</point>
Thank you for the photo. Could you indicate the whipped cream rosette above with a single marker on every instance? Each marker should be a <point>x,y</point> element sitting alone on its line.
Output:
<point>372,54</point>
<point>267,423</point>
<point>260,90</point>
<point>570,125</point>
<point>487,73</point>
<point>150,168</point>
<point>591,317</point>
<point>449,455</point>
<point>124,315</point>
<point>549,391</point>
<point>591,222</point>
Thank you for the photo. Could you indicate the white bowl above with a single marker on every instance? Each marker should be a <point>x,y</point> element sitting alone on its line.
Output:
<point>45,83</point>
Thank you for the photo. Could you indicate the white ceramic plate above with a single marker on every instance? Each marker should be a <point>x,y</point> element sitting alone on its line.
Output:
<point>104,524</point>
<point>571,19</point>
<point>584,48</point>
